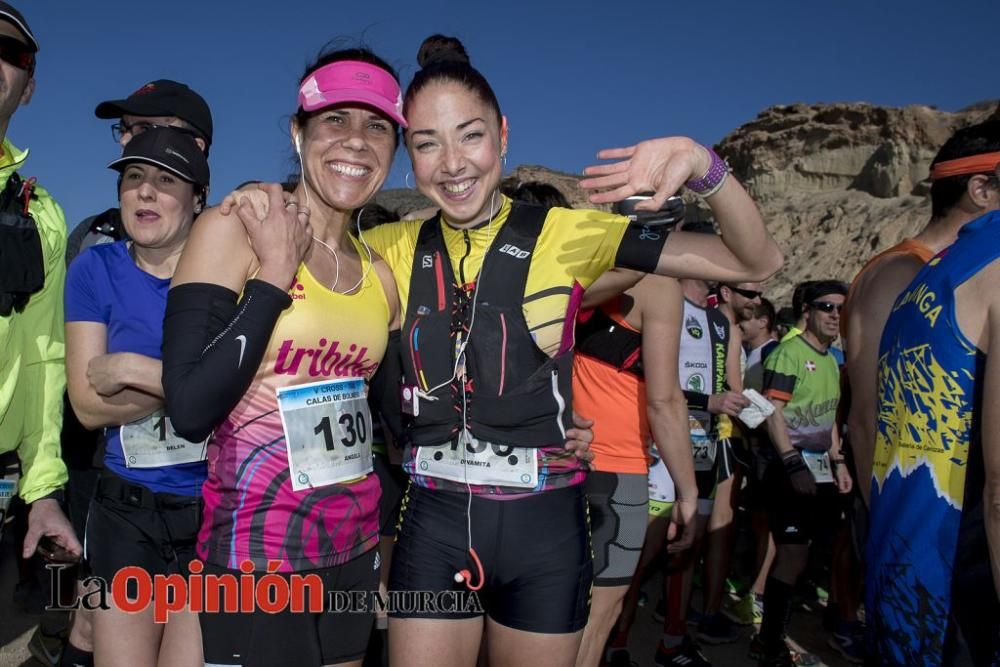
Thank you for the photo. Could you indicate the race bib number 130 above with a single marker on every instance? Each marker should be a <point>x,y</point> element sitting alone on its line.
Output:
<point>328,431</point>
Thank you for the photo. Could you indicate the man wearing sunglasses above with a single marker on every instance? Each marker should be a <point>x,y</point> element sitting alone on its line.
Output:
<point>32,243</point>
<point>736,301</point>
<point>806,469</point>
<point>934,532</point>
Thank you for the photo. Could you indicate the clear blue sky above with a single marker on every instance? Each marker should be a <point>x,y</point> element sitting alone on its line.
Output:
<point>572,77</point>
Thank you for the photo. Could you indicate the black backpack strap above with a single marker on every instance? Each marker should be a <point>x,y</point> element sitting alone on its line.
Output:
<point>506,264</point>
<point>22,265</point>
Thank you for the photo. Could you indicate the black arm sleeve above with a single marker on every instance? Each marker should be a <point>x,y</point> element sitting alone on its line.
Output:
<point>640,248</point>
<point>383,392</point>
<point>696,400</point>
<point>212,348</point>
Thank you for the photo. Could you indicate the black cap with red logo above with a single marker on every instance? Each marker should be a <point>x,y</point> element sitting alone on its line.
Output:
<point>163,97</point>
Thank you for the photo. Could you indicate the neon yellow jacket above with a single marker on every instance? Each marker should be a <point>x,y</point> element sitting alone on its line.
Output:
<point>32,354</point>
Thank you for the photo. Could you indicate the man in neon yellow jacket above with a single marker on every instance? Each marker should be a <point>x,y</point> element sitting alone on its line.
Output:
<point>32,271</point>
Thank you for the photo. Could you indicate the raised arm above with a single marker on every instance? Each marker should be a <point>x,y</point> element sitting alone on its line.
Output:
<point>745,251</point>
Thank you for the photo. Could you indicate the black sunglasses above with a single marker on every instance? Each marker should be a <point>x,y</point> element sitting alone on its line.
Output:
<point>827,307</point>
<point>746,293</point>
<point>16,53</point>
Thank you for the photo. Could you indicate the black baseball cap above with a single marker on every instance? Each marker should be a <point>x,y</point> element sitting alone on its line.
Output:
<point>14,17</point>
<point>163,97</point>
<point>170,149</point>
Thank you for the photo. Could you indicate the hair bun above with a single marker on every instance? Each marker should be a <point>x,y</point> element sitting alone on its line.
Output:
<point>439,49</point>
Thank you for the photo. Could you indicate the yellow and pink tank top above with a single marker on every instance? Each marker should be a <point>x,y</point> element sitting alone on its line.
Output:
<point>251,511</point>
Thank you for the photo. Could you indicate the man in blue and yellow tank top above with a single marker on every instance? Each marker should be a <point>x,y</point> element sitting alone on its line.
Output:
<point>935,500</point>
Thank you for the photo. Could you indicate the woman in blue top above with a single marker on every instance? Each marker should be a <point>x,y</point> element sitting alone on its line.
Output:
<point>147,508</point>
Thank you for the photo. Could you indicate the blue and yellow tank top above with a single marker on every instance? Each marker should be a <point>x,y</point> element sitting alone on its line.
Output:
<point>927,448</point>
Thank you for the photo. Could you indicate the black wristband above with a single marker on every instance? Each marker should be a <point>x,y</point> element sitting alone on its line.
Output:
<point>640,248</point>
<point>793,462</point>
<point>58,495</point>
<point>696,400</point>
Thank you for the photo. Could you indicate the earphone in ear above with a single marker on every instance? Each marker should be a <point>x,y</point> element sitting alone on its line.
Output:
<point>298,143</point>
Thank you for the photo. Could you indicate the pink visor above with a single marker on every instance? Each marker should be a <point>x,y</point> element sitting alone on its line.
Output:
<point>352,81</point>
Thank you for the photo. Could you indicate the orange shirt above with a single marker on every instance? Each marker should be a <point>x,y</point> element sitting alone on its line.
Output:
<point>616,401</point>
<point>910,247</point>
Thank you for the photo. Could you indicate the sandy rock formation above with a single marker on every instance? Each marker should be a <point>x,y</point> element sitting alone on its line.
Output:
<point>838,182</point>
<point>835,182</point>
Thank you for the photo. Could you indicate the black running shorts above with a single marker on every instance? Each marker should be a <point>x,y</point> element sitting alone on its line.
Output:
<point>535,551</point>
<point>303,639</point>
<point>130,525</point>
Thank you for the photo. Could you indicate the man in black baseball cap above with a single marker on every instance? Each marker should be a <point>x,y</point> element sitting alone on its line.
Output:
<point>12,16</point>
<point>156,104</point>
<point>160,102</point>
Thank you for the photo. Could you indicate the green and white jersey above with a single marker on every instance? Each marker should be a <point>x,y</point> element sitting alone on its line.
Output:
<point>808,380</point>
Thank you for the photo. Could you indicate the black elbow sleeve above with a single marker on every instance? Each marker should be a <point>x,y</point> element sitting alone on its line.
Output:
<point>640,248</point>
<point>212,348</point>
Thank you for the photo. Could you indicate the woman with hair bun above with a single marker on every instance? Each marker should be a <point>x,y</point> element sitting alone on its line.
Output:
<point>489,291</point>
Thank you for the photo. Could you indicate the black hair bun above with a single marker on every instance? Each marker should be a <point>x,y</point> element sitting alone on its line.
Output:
<point>439,50</point>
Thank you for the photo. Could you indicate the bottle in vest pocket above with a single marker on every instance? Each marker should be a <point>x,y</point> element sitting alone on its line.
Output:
<point>409,400</point>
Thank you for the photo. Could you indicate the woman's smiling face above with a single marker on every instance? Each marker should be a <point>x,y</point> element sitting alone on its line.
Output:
<point>455,147</point>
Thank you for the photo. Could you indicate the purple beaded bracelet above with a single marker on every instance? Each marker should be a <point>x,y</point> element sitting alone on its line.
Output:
<point>713,178</point>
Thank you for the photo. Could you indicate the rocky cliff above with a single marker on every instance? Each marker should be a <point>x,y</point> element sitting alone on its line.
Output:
<point>835,182</point>
<point>838,182</point>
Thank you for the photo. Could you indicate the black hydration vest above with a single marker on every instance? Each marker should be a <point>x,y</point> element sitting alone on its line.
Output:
<point>514,393</point>
<point>601,337</point>
<point>22,266</point>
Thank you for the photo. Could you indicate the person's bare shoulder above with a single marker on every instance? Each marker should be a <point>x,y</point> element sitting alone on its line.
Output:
<point>886,278</point>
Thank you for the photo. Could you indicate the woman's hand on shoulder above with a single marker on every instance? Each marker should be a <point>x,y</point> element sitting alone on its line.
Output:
<point>255,193</point>
<point>226,248</point>
<point>280,239</point>
<point>660,166</point>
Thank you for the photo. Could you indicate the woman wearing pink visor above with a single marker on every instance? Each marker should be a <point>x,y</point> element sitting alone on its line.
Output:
<point>274,327</point>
